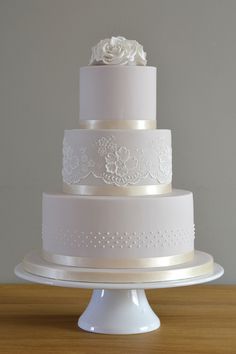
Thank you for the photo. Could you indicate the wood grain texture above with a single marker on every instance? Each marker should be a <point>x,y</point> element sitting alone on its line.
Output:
<point>43,319</point>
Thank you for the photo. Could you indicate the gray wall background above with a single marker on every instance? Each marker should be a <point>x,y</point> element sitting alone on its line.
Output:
<point>42,45</point>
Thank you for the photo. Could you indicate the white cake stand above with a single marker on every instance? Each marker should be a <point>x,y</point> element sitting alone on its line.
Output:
<point>119,308</point>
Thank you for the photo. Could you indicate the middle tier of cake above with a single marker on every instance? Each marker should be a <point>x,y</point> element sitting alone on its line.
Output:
<point>94,161</point>
<point>118,232</point>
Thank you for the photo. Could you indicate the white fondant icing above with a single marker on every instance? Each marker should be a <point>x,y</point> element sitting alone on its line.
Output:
<point>117,157</point>
<point>117,92</point>
<point>118,227</point>
<point>118,51</point>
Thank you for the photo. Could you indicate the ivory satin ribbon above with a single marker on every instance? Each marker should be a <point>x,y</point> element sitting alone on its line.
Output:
<point>117,263</point>
<point>48,270</point>
<point>117,124</point>
<point>116,191</point>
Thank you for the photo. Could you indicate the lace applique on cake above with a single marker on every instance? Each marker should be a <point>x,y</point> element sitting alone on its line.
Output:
<point>116,164</point>
<point>79,163</point>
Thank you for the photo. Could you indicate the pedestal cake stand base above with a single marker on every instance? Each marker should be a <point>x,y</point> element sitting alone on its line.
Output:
<point>119,308</point>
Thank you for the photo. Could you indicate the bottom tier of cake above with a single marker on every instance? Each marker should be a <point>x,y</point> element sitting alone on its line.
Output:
<point>118,232</point>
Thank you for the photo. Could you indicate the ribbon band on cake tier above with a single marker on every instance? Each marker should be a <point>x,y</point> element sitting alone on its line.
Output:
<point>88,262</point>
<point>117,191</point>
<point>59,272</point>
<point>117,124</point>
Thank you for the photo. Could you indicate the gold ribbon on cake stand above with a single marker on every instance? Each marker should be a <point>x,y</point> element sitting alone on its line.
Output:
<point>116,191</point>
<point>117,124</point>
<point>149,262</point>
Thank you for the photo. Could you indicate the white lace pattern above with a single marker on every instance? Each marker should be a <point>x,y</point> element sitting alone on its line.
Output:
<point>116,164</point>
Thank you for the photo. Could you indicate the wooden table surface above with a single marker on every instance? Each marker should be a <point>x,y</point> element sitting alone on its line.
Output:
<point>43,319</point>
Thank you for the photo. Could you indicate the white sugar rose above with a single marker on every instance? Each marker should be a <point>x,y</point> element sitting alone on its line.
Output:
<point>118,51</point>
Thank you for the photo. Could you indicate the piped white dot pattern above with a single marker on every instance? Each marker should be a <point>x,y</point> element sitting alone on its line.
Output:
<point>134,239</point>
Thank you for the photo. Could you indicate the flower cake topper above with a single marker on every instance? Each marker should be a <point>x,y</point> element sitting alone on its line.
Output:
<point>118,51</point>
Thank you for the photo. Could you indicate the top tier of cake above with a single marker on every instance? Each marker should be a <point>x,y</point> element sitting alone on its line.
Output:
<point>117,85</point>
<point>132,97</point>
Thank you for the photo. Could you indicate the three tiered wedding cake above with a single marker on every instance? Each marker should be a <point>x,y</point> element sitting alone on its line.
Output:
<point>118,218</point>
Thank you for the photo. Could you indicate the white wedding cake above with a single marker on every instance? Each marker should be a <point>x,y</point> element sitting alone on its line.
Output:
<point>118,218</point>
